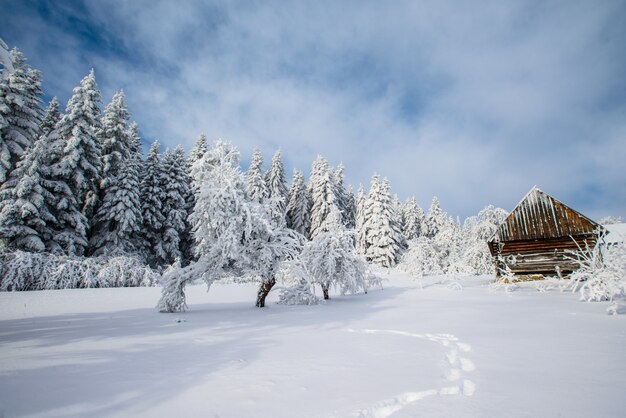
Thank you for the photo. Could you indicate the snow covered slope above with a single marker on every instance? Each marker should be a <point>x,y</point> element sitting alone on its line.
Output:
<point>403,351</point>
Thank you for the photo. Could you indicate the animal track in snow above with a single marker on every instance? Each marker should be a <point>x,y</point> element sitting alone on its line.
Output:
<point>452,345</point>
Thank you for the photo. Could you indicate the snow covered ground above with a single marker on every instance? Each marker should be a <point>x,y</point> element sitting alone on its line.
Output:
<point>409,350</point>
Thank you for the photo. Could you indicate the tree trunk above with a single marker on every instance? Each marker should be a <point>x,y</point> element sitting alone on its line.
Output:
<point>264,290</point>
<point>325,287</point>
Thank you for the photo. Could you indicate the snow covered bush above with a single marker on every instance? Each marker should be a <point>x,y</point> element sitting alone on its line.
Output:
<point>421,259</point>
<point>601,275</point>
<point>297,288</point>
<point>20,270</point>
<point>330,259</point>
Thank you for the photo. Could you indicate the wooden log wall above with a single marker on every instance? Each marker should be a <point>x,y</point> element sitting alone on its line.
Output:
<point>542,246</point>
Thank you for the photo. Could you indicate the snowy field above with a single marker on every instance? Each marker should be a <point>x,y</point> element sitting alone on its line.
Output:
<point>406,351</point>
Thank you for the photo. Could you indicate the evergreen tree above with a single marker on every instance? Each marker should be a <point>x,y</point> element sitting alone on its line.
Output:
<point>359,221</point>
<point>118,219</point>
<point>350,209</point>
<point>177,190</point>
<point>114,139</point>
<point>341,197</point>
<point>322,191</point>
<point>27,202</point>
<point>256,184</point>
<point>51,117</point>
<point>436,218</point>
<point>396,219</point>
<point>20,112</point>
<point>134,140</point>
<point>5,61</point>
<point>381,233</point>
<point>151,198</point>
<point>77,163</point>
<point>299,204</point>
<point>198,150</point>
<point>116,227</point>
<point>413,217</point>
<point>276,183</point>
<point>188,242</point>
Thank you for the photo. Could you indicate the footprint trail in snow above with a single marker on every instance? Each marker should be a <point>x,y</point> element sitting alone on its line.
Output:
<point>458,366</point>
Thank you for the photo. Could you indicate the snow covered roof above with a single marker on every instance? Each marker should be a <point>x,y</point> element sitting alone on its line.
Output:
<point>615,233</point>
<point>539,216</point>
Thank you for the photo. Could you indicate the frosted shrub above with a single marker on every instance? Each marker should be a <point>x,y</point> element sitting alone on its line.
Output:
<point>22,270</point>
<point>297,290</point>
<point>330,259</point>
<point>601,275</point>
<point>421,259</point>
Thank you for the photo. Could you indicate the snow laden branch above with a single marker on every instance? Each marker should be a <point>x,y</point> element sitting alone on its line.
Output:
<point>601,275</point>
<point>234,234</point>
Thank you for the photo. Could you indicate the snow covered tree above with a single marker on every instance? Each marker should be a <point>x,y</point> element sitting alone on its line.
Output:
<point>20,112</point>
<point>299,204</point>
<point>187,241</point>
<point>413,217</point>
<point>322,192</point>
<point>5,61</point>
<point>341,197</point>
<point>476,231</point>
<point>118,219</point>
<point>382,236</point>
<point>151,198</point>
<point>198,150</point>
<point>397,217</point>
<point>134,140</point>
<point>448,244</point>
<point>330,258</point>
<point>114,139</point>
<point>359,220</point>
<point>77,162</point>
<point>436,218</point>
<point>277,190</point>
<point>177,190</point>
<point>118,150</point>
<point>421,259</point>
<point>257,188</point>
<point>350,211</point>
<point>51,118</point>
<point>276,183</point>
<point>234,235</point>
<point>28,202</point>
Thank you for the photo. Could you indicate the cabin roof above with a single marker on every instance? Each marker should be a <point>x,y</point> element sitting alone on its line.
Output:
<point>540,216</point>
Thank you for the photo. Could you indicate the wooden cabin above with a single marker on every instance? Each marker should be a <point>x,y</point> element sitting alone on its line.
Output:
<point>534,239</point>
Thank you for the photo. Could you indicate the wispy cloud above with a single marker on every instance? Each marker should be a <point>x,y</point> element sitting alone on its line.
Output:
<point>474,103</point>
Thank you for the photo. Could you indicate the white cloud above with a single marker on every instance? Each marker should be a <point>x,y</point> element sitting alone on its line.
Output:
<point>474,103</point>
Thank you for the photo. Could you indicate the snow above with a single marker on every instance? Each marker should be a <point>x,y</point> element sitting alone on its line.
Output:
<point>416,348</point>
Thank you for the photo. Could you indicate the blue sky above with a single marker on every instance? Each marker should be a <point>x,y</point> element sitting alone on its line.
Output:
<point>474,102</point>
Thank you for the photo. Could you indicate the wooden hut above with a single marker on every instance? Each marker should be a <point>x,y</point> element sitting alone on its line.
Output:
<point>534,239</point>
